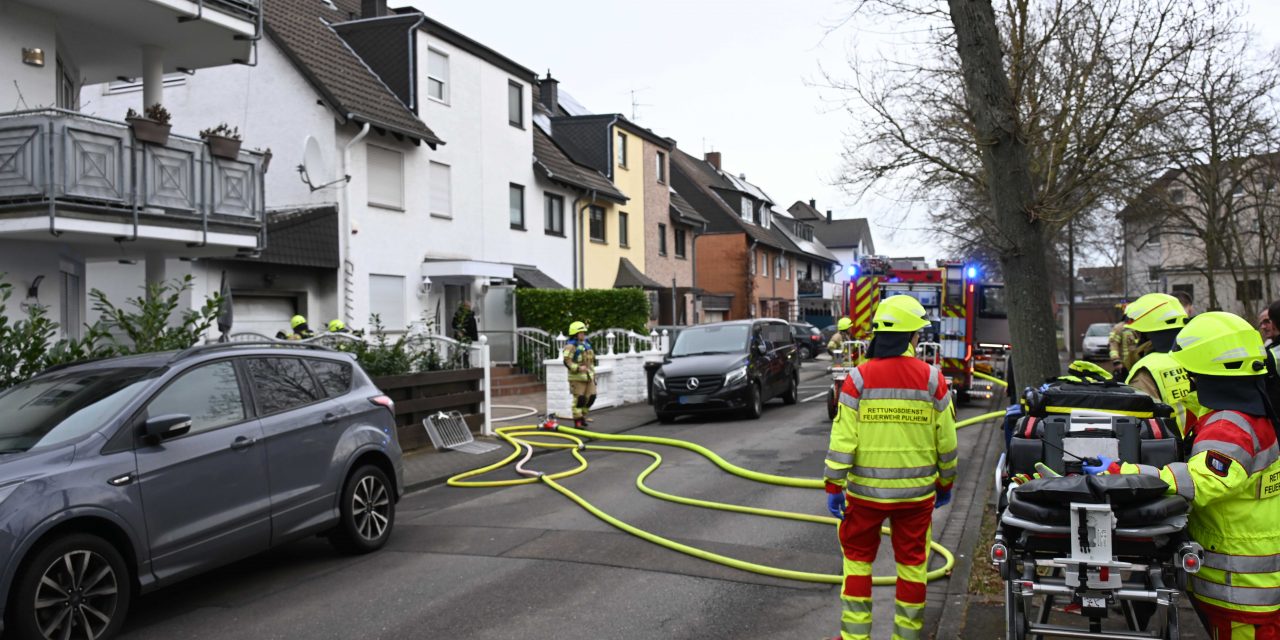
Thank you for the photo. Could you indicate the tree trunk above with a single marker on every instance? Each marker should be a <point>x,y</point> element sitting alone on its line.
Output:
<point>1007,165</point>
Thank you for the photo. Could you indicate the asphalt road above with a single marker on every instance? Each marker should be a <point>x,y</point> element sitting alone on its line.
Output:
<point>525,562</point>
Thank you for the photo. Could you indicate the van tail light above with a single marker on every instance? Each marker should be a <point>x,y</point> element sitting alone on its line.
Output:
<point>384,401</point>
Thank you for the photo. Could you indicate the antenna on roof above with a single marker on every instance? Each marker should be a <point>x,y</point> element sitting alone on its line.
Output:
<point>635,105</point>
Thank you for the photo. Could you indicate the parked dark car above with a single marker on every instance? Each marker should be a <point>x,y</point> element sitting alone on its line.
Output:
<point>725,367</point>
<point>128,474</point>
<point>809,341</point>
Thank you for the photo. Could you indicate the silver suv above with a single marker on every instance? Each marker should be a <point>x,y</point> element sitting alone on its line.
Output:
<point>124,475</point>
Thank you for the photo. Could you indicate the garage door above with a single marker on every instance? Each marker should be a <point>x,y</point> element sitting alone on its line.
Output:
<point>262,314</point>
<point>713,316</point>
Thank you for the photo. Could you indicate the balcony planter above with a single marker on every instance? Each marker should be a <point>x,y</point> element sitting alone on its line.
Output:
<point>223,140</point>
<point>151,127</point>
<point>223,147</point>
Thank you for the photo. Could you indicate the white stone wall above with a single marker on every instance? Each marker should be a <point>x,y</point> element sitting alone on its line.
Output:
<point>620,379</point>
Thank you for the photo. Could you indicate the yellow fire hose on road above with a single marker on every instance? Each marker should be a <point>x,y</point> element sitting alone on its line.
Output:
<point>979,374</point>
<point>524,438</point>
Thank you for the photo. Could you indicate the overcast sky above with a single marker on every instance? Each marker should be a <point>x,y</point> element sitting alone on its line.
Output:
<point>742,77</point>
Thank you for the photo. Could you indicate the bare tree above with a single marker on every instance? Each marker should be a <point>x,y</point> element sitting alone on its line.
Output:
<point>1214,208</point>
<point>1046,107</point>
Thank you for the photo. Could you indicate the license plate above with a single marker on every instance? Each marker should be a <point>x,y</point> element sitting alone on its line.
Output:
<point>1093,603</point>
<point>692,399</point>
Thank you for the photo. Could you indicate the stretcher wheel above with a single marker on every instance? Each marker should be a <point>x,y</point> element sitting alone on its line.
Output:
<point>1015,616</point>
<point>1172,629</point>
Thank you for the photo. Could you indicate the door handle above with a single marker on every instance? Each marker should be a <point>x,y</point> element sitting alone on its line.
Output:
<point>330,418</point>
<point>120,481</point>
<point>242,443</point>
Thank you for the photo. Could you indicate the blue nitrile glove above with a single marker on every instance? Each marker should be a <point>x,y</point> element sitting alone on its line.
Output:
<point>942,499</point>
<point>1103,464</point>
<point>1014,410</point>
<point>835,504</point>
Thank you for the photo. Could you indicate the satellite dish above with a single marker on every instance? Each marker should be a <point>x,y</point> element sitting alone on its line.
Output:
<point>313,169</point>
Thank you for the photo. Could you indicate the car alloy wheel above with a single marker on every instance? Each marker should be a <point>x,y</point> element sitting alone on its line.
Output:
<point>73,586</point>
<point>368,512</point>
<point>370,507</point>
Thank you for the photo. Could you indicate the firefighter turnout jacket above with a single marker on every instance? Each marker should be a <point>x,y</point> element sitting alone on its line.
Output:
<point>580,359</point>
<point>1233,482</point>
<point>1160,376</point>
<point>894,437</point>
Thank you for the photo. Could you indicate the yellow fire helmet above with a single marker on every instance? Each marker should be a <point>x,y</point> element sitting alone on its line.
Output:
<point>1220,344</point>
<point>1155,312</point>
<point>297,321</point>
<point>576,328</point>
<point>844,324</point>
<point>336,325</point>
<point>899,314</point>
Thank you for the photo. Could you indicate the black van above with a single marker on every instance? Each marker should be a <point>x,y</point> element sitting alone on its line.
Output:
<point>727,366</point>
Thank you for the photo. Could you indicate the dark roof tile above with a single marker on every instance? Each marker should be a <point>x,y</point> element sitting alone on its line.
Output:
<point>302,30</point>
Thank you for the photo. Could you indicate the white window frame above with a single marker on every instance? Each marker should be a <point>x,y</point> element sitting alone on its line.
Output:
<point>746,209</point>
<point>444,82</point>
<point>620,149</point>
<point>369,171</point>
<point>435,169</point>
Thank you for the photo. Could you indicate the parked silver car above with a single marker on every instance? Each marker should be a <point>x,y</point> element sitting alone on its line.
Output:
<point>124,475</point>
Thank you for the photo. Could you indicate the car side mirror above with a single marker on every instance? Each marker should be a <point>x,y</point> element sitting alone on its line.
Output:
<point>167,426</point>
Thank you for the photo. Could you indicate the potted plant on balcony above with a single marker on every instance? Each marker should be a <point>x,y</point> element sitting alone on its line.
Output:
<point>152,126</point>
<point>224,141</point>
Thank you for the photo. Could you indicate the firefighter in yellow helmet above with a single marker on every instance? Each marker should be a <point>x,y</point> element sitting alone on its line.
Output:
<point>892,455</point>
<point>298,329</point>
<point>580,360</point>
<point>1157,318</point>
<point>841,344</point>
<point>1232,479</point>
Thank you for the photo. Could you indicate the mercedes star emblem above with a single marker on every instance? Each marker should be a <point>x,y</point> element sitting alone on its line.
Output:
<point>692,384</point>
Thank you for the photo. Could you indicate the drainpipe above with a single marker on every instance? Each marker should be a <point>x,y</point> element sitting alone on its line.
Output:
<point>573,233</point>
<point>344,229</point>
<point>751,263</point>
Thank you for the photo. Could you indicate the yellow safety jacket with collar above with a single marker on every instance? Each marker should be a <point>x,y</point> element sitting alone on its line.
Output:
<point>894,436</point>
<point>1233,482</point>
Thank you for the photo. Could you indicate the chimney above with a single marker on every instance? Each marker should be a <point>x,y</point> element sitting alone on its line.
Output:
<point>828,215</point>
<point>713,159</point>
<point>550,89</point>
<point>373,8</point>
<point>813,204</point>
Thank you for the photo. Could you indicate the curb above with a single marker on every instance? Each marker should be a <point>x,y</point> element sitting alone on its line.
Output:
<point>956,601</point>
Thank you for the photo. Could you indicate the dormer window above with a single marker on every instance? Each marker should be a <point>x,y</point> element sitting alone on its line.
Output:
<point>746,209</point>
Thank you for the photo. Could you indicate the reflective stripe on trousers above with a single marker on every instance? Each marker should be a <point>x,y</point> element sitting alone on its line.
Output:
<point>910,524</point>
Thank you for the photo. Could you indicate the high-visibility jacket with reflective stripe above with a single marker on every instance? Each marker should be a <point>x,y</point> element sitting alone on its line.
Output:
<point>1233,482</point>
<point>1173,384</point>
<point>894,436</point>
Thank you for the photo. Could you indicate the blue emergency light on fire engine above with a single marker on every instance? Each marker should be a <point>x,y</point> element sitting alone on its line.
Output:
<point>853,271</point>
<point>972,272</point>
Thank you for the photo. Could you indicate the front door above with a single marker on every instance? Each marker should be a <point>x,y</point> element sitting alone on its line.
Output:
<point>497,320</point>
<point>205,494</point>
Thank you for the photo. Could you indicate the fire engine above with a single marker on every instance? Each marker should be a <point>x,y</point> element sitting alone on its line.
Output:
<point>970,324</point>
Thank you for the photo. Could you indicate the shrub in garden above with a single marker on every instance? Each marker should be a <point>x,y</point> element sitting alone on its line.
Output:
<point>553,309</point>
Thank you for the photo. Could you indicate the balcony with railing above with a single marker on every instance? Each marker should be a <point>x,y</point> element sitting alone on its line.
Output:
<point>815,289</point>
<point>64,172</point>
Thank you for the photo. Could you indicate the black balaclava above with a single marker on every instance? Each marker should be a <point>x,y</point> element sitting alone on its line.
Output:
<point>889,344</point>
<point>1243,394</point>
<point>1162,341</point>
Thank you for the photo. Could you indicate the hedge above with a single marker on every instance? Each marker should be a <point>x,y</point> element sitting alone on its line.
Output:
<point>552,310</point>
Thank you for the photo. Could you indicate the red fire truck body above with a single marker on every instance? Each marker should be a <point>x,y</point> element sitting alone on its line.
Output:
<point>968,315</point>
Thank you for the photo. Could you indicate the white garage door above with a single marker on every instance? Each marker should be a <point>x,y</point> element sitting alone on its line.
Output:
<point>713,316</point>
<point>263,314</point>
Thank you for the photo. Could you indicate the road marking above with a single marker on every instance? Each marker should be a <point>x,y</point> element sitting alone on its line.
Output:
<point>813,397</point>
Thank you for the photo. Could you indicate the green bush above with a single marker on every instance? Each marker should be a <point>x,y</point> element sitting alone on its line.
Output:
<point>410,353</point>
<point>552,310</point>
<point>29,345</point>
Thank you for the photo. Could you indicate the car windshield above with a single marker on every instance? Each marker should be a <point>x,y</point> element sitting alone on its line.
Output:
<point>1097,331</point>
<point>711,339</point>
<point>61,407</point>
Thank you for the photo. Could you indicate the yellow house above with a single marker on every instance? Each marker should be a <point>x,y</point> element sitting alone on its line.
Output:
<point>612,234</point>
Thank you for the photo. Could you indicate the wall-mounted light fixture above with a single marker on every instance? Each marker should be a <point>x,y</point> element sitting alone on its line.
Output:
<point>33,295</point>
<point>33,56</point>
